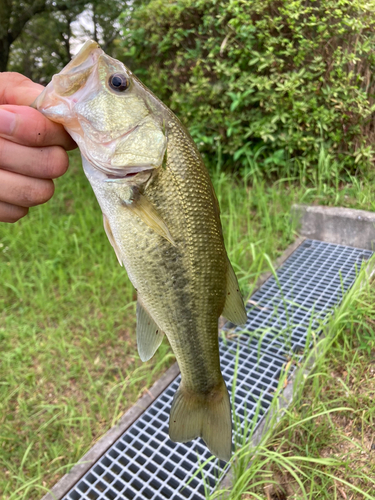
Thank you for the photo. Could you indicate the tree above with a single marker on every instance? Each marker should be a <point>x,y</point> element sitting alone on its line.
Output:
<point>260,82</point>
<point>100,23</point>
<point>44,46</point>
<point>48,40</point>
<point>13,17</point>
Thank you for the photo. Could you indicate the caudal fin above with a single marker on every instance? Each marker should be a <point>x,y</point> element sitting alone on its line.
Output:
<point>193,415</point>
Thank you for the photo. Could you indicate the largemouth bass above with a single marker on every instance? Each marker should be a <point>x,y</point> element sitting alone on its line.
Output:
<point>162,219</point>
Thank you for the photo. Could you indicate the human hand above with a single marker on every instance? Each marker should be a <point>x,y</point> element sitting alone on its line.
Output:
<point>32,149</point>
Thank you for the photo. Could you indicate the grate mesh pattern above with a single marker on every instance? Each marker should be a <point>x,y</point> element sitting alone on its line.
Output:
<point>145,464</point>
<point>288,310</point>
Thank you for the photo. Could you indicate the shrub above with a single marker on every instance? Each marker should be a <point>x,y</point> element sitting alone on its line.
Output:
<point>276,79</point>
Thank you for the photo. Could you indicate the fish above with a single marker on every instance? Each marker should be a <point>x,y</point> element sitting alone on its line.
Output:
<point>162,218</point>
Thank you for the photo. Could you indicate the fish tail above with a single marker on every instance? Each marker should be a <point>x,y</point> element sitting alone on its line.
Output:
<point>209,417</point>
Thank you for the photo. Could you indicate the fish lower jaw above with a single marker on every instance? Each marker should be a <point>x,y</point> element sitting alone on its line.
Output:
<point>118,174</point>
<point>124,176</point>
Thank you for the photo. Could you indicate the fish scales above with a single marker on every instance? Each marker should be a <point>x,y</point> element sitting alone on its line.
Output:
<point>162,218</point>
<point>188,276</point>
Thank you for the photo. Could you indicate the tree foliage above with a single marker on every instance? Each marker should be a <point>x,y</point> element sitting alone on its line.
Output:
<point>44,45</point>
<point>14,14</point>
<point>277,79</point>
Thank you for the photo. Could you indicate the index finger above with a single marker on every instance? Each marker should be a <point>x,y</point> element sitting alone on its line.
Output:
<point>18,89</point>
<point>29,127</point>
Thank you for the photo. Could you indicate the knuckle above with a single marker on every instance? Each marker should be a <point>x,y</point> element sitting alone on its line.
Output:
<point>18,213</point>
<point>9,81</point>
<point>41,132</point>
<point>3,144</point>
<point>46,191</point>
<point>13,77</point>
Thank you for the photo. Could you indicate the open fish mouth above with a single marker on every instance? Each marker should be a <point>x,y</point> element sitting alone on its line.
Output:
<point>54,100</point>
<point>119,177</point>
<point>112,123</point>
<point>114,171</point>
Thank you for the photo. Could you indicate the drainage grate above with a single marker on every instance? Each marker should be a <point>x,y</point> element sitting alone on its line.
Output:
<point>286,311</point>
<point>145,464</point>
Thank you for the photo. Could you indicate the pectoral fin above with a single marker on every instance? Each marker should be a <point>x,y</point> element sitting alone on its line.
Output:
<point>149,335</point>
<point>146,211</point>
<point>234,309</point>
<point>109,234</point>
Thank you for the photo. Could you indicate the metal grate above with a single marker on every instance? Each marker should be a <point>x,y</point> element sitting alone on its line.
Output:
<point>289,310</point>
<point>145,464</point>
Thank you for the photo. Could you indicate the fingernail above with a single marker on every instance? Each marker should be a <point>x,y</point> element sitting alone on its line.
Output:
<point>7,122</point>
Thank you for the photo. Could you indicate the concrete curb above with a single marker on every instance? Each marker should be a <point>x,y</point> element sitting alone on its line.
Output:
<point>342,226</point>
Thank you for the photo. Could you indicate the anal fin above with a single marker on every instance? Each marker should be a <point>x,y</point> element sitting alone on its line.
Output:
<point>234,309</point>
<point>149,335</point>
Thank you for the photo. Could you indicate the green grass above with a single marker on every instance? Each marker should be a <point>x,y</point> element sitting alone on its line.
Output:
<point>68,361</point>
<point>324,446</point>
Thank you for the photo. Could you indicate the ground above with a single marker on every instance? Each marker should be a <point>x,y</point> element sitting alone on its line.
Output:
<point>324,448</point>
<point>68,361</point>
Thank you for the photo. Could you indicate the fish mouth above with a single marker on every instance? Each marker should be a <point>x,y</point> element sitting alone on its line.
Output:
<point>129,176</point>
<point>140,176</point>
<point>121,178</point>
<point>53,102</point>
<point>87,55</point>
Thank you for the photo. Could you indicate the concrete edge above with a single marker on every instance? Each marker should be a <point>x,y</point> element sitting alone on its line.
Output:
<point>342,226</point>
<point>62,487</point>
<point>285,397</point>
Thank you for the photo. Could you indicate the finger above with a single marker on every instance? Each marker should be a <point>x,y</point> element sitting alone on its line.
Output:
<point>44,163</point>
<point>29,127</point>
<point>11,213</point>
<point>17,89</point>
<point>24,191</point>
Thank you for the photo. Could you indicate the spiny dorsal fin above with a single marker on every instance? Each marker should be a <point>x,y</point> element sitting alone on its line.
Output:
<point>109,234</point>
<point>149,335</point>
<point>146,211</point>
<point>234,309</point>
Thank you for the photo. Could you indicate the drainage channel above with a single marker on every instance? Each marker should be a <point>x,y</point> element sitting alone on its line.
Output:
<point>145,464</point>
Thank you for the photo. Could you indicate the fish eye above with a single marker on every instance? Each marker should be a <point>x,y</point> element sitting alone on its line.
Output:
<point>118,82</point>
